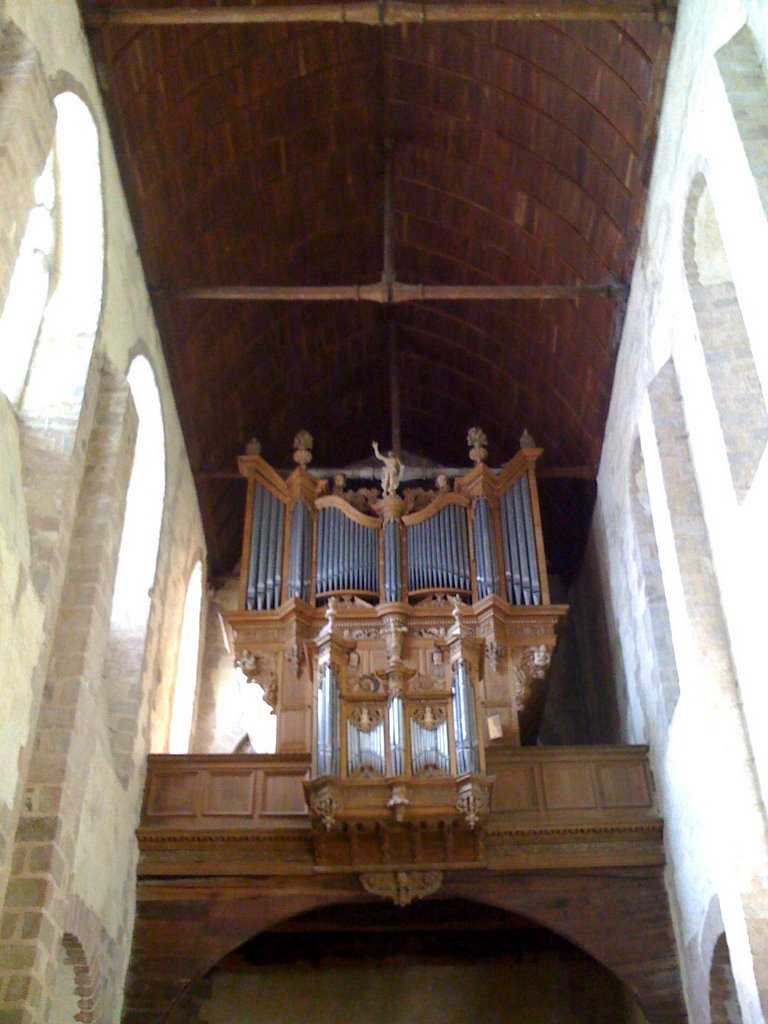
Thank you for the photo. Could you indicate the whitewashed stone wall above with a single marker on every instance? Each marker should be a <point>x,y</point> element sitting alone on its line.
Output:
<point>67,817</point>
<point>683,557</point>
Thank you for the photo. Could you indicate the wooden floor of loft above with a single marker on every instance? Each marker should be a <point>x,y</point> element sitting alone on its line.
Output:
<point>573,842</point>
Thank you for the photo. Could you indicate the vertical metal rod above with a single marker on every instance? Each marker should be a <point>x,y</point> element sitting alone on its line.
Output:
<point>394,389</point>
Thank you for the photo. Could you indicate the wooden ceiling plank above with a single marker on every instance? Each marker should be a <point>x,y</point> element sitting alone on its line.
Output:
<point>380,13</point>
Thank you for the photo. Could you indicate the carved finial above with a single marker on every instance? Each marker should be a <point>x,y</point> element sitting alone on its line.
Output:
<point>392,473</point>
<point>302,448</point>
<point>526,440</point>
<point>441,484</point>
<point>477,441</point>
<point>253,447</point>
<point>330,612</point>
<point>339,483</point>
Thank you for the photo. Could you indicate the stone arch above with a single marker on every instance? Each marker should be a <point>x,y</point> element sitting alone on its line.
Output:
<point>745,83</point>
<point>723,1002</point>
<point>73,995</point>
<point>136,569</point>
<point>736,387</point>
<point>664,663</point>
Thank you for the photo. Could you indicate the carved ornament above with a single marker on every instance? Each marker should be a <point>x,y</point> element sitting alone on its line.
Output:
<point>326,808</point>
<point>261,669</point>
<point>365,718</point>
<point>473,804</point>
<point>402,887</point>
<point>302,448</point>
<point>530,672</point>
<point>478,445</point>
<point>495,653</point>
<point>430,716</point>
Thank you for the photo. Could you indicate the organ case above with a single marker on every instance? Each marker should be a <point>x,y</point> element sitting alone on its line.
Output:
<point>394,642</point>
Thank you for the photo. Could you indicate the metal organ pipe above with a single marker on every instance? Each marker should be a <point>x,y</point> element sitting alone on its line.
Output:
<point>485,550</point>
<point>347,554</point>
<point>465,722</point>
<point>396,716</point>
<point>392,573</point>
<point>530,540</point>
<point>328,726</point>
<point>265,563</point>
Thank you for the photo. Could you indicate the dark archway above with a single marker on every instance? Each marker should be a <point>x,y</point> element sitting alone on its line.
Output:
<point>440,959</point>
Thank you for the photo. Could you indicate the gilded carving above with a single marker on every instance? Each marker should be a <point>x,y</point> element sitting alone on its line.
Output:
<point>402,887</point>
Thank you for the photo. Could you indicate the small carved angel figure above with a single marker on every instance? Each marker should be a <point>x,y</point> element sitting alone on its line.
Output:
<point>441,484</point>
<point>392,473</point>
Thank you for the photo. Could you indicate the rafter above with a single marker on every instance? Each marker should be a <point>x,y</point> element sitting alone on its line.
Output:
<point>381,13</point>
<point>392,293</point>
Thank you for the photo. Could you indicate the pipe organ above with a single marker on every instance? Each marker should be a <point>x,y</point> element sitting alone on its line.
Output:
<point>396,637</point>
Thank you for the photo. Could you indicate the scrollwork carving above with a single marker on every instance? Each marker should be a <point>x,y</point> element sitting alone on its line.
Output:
<point>402,887</point>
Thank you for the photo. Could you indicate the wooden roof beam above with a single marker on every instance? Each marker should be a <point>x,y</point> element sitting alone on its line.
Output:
<point>395,292</point>
<point>382,12</point>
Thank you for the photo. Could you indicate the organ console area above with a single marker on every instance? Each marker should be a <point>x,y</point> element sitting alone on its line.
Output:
<point>397,633</point>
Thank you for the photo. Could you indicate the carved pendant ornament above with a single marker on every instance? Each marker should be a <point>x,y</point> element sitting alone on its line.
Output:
<point>530,672</point>
<point>260,669</point>
<point>402,887</point>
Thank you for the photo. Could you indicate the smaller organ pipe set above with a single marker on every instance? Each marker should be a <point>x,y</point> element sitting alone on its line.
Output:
<point>395,645</point>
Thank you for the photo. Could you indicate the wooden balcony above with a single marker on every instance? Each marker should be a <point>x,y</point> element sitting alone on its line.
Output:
<point>551,807</point>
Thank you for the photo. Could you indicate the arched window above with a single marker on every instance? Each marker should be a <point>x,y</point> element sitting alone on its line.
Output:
<point>28,290</point>
<point>747,88</point>
<point>727,351</point>
<point>50,317</point>
<point>182,712</point>
<point>136,565</point>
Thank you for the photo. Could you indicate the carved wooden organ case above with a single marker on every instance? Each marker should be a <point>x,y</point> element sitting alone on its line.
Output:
<point>394,646</point>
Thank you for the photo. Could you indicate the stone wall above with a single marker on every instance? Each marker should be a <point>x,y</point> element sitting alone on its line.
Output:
<point>68,811</point>
<point>678,530</point>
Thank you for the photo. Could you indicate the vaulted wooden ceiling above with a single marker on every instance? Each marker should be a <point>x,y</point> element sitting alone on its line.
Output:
<point>256,154</point>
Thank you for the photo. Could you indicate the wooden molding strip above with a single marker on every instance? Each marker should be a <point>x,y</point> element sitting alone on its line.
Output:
<point>395,292</point>
<point>380,13</point>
